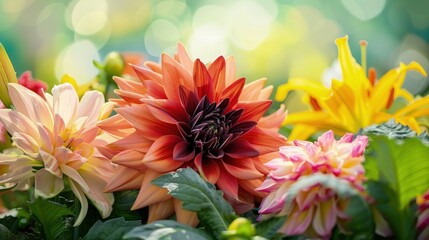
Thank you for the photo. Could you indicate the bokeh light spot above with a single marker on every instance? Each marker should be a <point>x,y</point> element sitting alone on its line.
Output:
<point>364,9</point>
<point>76,61</point>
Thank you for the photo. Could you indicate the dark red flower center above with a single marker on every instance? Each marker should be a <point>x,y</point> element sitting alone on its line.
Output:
<point>210,129</point>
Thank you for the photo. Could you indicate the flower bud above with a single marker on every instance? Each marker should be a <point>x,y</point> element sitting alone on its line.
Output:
<point>240,228</point>
<point>7,75</point>
<point>114,64</point>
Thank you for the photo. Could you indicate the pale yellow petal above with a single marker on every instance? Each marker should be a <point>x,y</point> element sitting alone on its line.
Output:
<point>47,185</point>
<point>66,102</point>
<point>77,190</point>
<point>90,106</point>
<point>101,200</point>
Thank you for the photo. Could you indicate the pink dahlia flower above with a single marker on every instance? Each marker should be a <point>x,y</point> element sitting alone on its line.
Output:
<point>2,129</point>
<point>54,138</point>
<point>314,210</point>
<point>184,113</point>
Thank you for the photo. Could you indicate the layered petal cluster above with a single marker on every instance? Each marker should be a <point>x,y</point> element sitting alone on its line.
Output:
<point>54,138</point>
<point>316,209</point>
<point>355,101</point>
<point>423,216</point>
<point>183,113</point>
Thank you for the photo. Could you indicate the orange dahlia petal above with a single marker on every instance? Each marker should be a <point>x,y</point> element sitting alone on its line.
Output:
<point>203,81</point>
<point>174,75</point>
<point>242,168</point>
<point>253,110</point>
<point>227,183</point>
<point>184,216</point>
<point>124,178</point>
<point>208,168</point>
<point>159,211</point>
<point>217,72</point>
<point>232,92</point>
<point>240,148</point>
<point>149,193</point>
<point>130,158</point>
<point>160,154</point>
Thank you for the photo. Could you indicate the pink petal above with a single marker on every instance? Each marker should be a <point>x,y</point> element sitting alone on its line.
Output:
<point>30,104</point>
<point>326,140</point>
<point>51,164</point>
<point>325,218</point>
<point>15,121</point>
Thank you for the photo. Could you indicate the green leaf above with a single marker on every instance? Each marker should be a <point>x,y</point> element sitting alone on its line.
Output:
<point>111,229</point>
<point>56,219</point>
<point>401,168</point>
<point>268,228</point>
<point>124,200</point>
<point>6,234</point>
<point>361,224</point>
<point>391,129</point>
<point>166,229</point>
<point>198,196</point>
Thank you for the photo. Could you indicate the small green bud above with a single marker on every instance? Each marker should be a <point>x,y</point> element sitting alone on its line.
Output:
<point>240,229</point>
<point>114,64</point>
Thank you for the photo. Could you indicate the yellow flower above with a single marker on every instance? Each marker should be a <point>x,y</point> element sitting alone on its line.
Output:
<point>83,88</point>
<point>356,101</point>
<point>7,75</point>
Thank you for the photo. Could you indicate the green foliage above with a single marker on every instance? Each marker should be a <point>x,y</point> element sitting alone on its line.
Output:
<point>398,171</point>
<point>198,196</point>
<point>56,220</point>
<point>111,229</point>
<point>165,230</point>
<point>6,234</point>
<point>268,228</point>
<point>391,129</point>
<point>124,200</point>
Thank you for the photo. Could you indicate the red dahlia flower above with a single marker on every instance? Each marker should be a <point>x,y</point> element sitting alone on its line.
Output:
<point>184,113</point>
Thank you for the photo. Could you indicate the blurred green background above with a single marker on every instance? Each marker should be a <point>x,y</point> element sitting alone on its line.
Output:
<point>269,38</point>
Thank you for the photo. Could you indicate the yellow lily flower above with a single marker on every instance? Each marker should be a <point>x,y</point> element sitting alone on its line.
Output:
<point>356,101</point>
